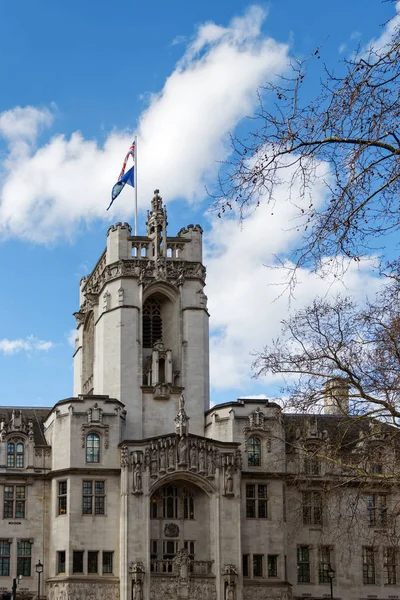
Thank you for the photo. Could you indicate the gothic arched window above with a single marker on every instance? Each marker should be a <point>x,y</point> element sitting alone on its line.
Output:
<point>92,448</point>
<point>152,323</point>
<point>170,502</point>
<point>254,452</point>
<point>15,455</point>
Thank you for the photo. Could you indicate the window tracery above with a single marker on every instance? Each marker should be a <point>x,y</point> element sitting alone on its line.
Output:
<point>152,322</point>
<point>173,502</point>
<point>92,448</point>
<point>253,447</point>
<point>15,454</point>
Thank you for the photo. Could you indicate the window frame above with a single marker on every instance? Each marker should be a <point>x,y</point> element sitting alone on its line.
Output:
<point>62,497</point>
<point>24,558</point>
<point>90,555</point>
<point>272,565</point>
<point>257,504</point>
<point>324,563</point>
<point>96,499</point>
<point>109,554</point>
<point>15,456</point>
<point>5,557</point>
<point>312,507</point>
<point>257,558</point>
<point>253,449</point>
<point>369,565</point>
<point>390,565</point>
<point>60,562</point>
<point>377,509</point>
<point>303,564</point>
<point>93,451</point>
<point>78,554</point>
<point>17,503</point>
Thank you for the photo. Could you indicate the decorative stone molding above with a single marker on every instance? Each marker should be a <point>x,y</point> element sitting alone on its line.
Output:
<point>171,530</point>
<point>137,465</point>
<point>103,590</point>
<point>96,427</point>
<point>137,572</point>
<point>230,575</point>
<point>124,456</point>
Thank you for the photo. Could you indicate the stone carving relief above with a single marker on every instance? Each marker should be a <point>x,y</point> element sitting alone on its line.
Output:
<point>124,457</point>
<point>137,464</point>
<point>169,588</point>
<point>95,418</point>
<point>230,576</point>
<point>174,453</point>
<point>171,530</point>
<point>83,591</point>
<point>137,572</point>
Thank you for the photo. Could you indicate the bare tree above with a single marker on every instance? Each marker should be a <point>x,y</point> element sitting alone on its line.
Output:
<point>351,126</point>
<point>339,338</point>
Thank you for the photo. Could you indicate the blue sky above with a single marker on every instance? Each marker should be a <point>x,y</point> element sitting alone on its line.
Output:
<point>79,80</point>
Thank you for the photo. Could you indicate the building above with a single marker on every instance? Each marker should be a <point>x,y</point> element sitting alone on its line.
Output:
<point>135,489</point>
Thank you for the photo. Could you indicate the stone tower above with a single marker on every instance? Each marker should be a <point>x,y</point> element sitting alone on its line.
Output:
<point>143,325</point>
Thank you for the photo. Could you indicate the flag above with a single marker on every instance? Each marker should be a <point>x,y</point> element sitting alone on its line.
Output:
<point>124,178</point>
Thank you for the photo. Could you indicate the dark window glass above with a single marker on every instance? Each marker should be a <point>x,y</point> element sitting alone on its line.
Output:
<point>77,561</point>
<point>93,497</point>
<point>107,562</point>
<point>254,452</point>
<point>368,565</point>
<point>61,561</point>
<point>14,502</point>
<point>93,448</point>
<point>376,509</point>
<point>389,566</point>
<point>62,497</point>
<point>312,508</point>
<point>324,564</point>
<point>15,455</point>
<point>153,508</point>
<point>245,565</point>
<point>303,564</point>
<point>256,501</point>
<point>152,323</point>
<point>92,562</point>
<point>5,551</point>
<point>24,555</point>
<point>272,565</point>
<point>257,565</point>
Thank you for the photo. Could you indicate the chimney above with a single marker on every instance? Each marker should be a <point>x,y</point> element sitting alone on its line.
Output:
<point>336,396</point>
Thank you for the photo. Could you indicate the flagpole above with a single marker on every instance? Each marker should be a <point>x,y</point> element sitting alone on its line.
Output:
<point>136,186</point>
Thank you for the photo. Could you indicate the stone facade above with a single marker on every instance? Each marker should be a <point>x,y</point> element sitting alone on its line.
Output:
<point>135,489</point>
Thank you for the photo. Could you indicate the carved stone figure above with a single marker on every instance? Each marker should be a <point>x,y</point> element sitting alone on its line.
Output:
<point>171,457</point>
<point>182,564</point>
<point>193,457</point>
<point>162,459</point>
<point>153,462</point>
<point>229,480</point>
<point>182,448</point>
<point>210,464</point>
<point>137,478</point>
<point>202,461</point>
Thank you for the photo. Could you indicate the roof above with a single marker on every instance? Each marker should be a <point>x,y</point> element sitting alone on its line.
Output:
<point>37,415</point>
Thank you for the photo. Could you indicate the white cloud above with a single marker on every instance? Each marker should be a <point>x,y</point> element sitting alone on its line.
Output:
<point>244,303</point>
<point>71,337</point>
<point>181,135</point>
<point>387,33</point>
<point>28,344</point>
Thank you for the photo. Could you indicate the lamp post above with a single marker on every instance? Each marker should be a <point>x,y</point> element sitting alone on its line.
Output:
<point>39,571</point>
<point>331,575</point>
